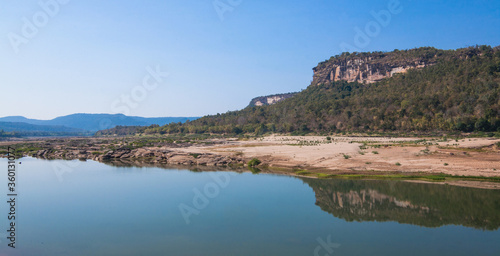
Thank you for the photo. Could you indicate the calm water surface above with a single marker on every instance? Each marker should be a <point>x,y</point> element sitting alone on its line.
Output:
<point>89,208</point>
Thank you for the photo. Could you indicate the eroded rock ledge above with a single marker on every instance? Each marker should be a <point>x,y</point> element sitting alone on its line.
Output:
<point>372,67</point>
<point>152,155</point>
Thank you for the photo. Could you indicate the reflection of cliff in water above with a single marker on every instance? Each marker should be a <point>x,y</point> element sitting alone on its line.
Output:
<point>429,205</point>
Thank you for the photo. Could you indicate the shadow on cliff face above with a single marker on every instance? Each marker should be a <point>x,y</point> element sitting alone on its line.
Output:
<point>422,204</point>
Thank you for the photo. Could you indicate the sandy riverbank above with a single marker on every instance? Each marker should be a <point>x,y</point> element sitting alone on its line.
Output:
<point>469,157</point>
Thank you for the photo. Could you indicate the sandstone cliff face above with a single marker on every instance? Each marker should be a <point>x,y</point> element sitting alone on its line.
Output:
<point>271,99</point>
<point>368,67</point>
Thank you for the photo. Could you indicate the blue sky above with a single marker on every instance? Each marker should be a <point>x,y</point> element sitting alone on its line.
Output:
<point>91,56</point>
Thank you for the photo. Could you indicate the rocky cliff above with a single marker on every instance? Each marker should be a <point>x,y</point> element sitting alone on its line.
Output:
<point>441,91</point>
<point>371,67</point>
<point>271,99</point>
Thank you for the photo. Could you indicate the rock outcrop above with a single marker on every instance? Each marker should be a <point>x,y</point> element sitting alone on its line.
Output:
<point>368,67</point>
<point>152,155</point>
<point>271,99</point>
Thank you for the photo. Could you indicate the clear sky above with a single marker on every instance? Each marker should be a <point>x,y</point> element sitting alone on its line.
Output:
<point>93,56</point>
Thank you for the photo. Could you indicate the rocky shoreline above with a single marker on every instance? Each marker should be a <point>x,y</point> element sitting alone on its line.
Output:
<point>150,155</point>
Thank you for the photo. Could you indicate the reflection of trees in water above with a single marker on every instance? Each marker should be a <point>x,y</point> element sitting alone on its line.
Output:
<point>429,205</point>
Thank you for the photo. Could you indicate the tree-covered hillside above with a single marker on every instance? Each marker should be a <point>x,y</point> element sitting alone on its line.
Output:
<point>458,92</point>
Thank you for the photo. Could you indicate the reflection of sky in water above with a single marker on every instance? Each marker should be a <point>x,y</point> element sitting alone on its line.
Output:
<point>104,210</point>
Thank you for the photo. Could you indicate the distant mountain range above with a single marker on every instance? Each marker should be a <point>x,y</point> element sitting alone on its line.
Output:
<point>26,127</point>
<point>80,124</point>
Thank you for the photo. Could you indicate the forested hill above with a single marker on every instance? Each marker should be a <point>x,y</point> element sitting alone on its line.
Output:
<point>423,89</point>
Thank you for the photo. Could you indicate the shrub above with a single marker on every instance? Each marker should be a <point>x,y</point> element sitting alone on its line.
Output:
<point>254,162</point>
<point>302,172</point>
